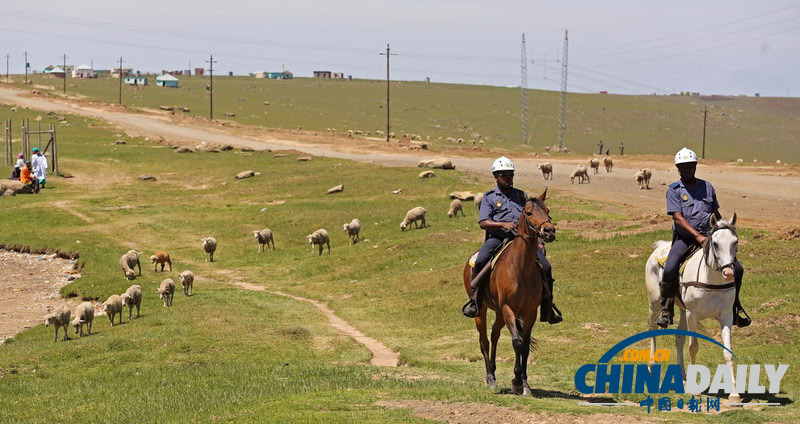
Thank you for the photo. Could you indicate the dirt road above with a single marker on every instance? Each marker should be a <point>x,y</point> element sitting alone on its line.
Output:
<point>764,197</point>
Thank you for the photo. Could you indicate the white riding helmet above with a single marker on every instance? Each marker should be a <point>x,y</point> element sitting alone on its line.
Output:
<point>502,164</point>
<point>685,156</point>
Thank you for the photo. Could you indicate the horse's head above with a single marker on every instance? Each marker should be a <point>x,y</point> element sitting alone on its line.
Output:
<point>722,244</point>
<point>537,218</point>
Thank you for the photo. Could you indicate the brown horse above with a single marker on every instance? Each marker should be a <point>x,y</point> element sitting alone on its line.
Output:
<point>514,292</point>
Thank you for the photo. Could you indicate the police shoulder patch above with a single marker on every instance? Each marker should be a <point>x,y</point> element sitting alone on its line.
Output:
<point>685,197</point>
<point>676,184</point>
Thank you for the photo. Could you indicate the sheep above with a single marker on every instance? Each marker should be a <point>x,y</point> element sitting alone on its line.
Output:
<point>132,297</point>
<point>264,237</point>
<point>581,173</point>
<point>609,163</point>
<point>547,170</point>
<point>414,215</point>
<point>209,246</point>
<point>319,237</point>
<point>128,261</point>
<point>58,318</point>
<point>455,207</point>
<point>113,306</point>
<point>478,200</point>
<point>643,178</point>
<point>187,281</point>
<point>162,258</point>
<point>353,230</point>
<point>84,315</point>
<point>595,164</point>
<point>166,291</point>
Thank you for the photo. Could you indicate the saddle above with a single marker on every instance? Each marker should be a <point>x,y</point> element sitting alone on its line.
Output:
<point>692,251</point>
<point>495,255</point>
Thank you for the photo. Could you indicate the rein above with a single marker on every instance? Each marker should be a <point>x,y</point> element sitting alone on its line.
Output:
<point>708,253</point>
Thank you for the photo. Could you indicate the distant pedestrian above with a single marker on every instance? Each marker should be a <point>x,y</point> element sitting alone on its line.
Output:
<point>621,149</point>
<point>600,147</point>
<point>39,167</point>
<point>26,177</point>
<point>607,151</point>
<point>18,167</point>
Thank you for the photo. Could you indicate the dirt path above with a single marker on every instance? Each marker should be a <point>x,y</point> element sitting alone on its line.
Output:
<point>767,197</point>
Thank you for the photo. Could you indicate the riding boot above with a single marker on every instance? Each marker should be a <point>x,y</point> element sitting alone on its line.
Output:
<point>667,305</point>
<point>472,307</point>
<point>548,311</point>
<point>738,320</point>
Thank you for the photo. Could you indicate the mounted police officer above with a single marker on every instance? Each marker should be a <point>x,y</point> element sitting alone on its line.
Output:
<point>691,202</point>
<point>500,212</point>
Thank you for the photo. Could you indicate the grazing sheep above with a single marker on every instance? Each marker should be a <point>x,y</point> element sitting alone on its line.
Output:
<point>609,163</point>
<point>264,237</point>
<point>128,261</point>
<point>112,307</point>
<point>162,258</point>
<point>166,291</point>
<point>643,178</point>
<point>427,174</point>
<point>595,164</point>
<point>455,207</point>
<point>414,215</point>
<point>187,281</point>
<point>209,246</point>
<point>353,230</point>
<point>319,237</point>
<point>478,200</point>
<point>547,170</point>
<point>84,315</point>
<point>58,318</point>
<point>581,173</point>
<point>132,297</point>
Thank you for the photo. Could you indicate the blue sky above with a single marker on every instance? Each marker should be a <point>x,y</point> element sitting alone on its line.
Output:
<point>629,47</point>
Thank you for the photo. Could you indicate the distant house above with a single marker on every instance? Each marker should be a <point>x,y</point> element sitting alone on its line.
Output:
<point>135,80</point>
<point>102,73</point>
<point>115,72</point>
<point>57,73</point>
<point>199,71</point>
<point>322,74</point>
<point>261,74</point>
<point>167,80</point>
<point>48,69</point>
<point>280,75</point>
<point>337,75</point>
<point>84,71</point>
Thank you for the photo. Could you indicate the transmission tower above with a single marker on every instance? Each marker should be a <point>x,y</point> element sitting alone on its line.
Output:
<point>524,91</point>
<point>562,111</point>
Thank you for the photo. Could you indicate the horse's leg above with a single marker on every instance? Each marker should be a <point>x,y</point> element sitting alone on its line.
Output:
<point>655,308</point>
<point>510,320</point>
<point>497,327</point>
<point>680,342</point>
<point>480,324</point>
<point>726,321</point>
<point>528,320</point>
<point>694,345</point>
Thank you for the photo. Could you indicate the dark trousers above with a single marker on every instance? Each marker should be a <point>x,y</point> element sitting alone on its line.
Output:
<point>493,243</point>
<point>677,254</point>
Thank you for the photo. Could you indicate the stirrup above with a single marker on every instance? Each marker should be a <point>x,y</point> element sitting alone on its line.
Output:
<point>741,321</point>
<point>555,316</point>
<point>469,313</point>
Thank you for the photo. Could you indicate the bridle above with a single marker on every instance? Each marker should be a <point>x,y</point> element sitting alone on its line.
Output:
<point>709,251</point>
<point>537,231</point>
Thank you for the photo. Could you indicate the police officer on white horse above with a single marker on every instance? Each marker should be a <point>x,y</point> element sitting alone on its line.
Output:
<point>499,214</point>
<point>691,202</point>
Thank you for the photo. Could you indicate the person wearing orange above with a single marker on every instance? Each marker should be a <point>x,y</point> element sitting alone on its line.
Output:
<point>26,177</point>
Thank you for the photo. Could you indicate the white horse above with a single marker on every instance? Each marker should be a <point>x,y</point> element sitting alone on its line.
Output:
<point>706,268</point>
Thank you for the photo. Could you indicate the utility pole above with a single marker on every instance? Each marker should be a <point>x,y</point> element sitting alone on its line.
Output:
<point>562,111</point>
<point>120,80</point>
<point>524,91</point>
<point>8,56</point>
<point>387,54</point>
<point>65,73</point>
<point>211,63</point>
<point>705,116</point>
<point>26,67</point>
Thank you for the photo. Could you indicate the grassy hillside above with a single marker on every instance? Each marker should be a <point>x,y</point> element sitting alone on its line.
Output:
<point>750,128</point>
<point>233,355</point>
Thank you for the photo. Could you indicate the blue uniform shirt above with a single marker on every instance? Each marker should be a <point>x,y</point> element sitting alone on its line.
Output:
<point>696,205</point>
<point>496,207</point>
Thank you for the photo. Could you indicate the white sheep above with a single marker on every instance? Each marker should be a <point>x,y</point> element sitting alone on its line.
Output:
<point>455,207</point>
<point>166,291</point>
<point>187,281</point>
<point>319,238</point>
<point>414,215</point>
<point>209,246</point>
<point>353,230</point>
<point>581,173</point>
<point>84,315</point>
<point>547,170</point>
<point>264,237</point>
<point>643,178</point>
<point>478,200</point>
<point>113,306</point>
<point>595,164</point>
<point>58,318</point>
<point>609,163</point>
<point>128,261</point>
<point>132,297</point>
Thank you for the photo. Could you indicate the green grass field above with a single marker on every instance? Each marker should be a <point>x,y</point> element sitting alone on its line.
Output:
<point>749,128</point>
<point>231,355</point>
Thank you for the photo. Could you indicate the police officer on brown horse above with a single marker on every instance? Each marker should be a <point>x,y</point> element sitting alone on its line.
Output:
<point>499,214</point>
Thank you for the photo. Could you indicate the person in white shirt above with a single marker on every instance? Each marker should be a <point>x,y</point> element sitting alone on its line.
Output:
<point>39,166</point>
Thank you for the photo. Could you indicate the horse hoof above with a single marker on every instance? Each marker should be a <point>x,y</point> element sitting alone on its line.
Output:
<point>734,398</point>
<point>527,391</point>
<point>516,388</point>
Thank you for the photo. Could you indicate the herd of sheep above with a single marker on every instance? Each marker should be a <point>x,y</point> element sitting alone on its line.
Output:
<point>581,172</point>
